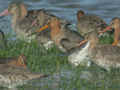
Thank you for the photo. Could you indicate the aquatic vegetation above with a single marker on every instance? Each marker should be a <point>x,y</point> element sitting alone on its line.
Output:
<point>63,75</point>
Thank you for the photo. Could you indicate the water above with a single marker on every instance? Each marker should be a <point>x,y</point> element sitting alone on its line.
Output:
<point>106,9</point>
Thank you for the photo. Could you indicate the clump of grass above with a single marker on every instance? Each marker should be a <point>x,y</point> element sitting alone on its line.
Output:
<point>106,39</point>
<point>38,58</point>
<point>54,63</point>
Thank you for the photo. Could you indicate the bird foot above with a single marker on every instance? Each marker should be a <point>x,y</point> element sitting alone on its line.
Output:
<point>115,43</point>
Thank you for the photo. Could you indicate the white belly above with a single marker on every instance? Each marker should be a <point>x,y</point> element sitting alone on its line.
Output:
<point>48,44</point>
<point>80,57</point>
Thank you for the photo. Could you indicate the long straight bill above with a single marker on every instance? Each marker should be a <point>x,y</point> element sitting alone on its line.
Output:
<point>83,42</point>
<point>4,13</point>
<point>106,29</point>
<point>43,28</point>
<point>39,30</point>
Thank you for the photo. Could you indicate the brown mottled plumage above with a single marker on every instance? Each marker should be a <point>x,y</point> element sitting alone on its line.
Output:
<point>14,61</point>
<point>89,22</point>
<point>13,76</point>
<point>64,37</point>
<point>21,20</point>
<point>43,18</point>
<point>106,56</point>
<point>25,22</point>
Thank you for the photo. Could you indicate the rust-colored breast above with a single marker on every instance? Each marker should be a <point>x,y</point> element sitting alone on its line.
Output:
<point>56,35</point>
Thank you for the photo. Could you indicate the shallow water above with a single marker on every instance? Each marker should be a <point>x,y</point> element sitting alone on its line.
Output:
<point>107,9</point>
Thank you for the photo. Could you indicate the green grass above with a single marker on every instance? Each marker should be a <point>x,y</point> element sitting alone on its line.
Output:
<point>106,39</point>
<point>63,76</point>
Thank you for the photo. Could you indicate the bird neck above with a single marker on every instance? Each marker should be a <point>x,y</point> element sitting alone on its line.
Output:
<point>117,35</point>
<point>14,20</point>
<point>55,30</point>
<point>93,43</point>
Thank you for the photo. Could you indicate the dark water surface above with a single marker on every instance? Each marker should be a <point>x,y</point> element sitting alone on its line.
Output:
<point>67,9</point>
<point>106,9</point>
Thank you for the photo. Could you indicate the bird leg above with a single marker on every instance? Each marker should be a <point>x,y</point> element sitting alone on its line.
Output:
<point>114,43</point>
<point>4,13</point>
<point>43,28</point>
<point>116,37</point>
